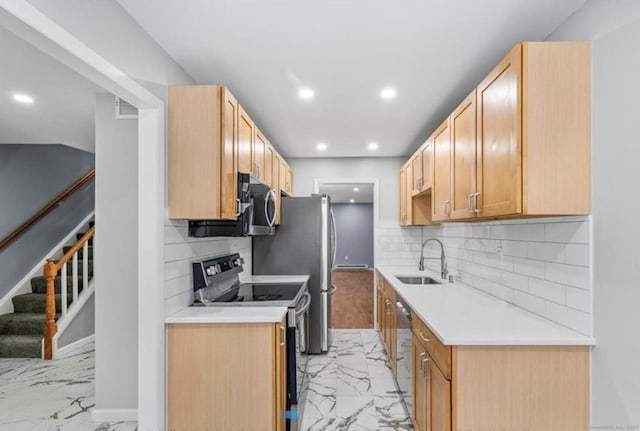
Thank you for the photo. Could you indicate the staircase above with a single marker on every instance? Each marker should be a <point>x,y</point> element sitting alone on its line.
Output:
<point>21,331</point>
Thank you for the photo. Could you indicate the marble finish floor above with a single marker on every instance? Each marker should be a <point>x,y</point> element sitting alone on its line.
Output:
<point>351,388</point>
<point>56,395</point>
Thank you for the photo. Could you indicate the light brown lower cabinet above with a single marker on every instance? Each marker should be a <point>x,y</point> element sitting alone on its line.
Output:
<point>534,388</point>
<point>228,377</point>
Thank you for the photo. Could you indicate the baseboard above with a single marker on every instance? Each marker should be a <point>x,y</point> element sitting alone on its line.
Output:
<point>64,350</point>
<point>114,415</point>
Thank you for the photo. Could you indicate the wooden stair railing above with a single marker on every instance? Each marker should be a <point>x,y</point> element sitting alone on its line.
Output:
<point>51,269</point>
<point>44,211</point>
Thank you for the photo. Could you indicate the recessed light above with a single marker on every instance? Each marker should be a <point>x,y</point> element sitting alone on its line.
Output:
<point>321,146</point>
<point>305,93</point>
<point>351,200</point>
<point>23,98</point>
<point>372,146</point>
<point>388,93</point>
<point>355,189</point>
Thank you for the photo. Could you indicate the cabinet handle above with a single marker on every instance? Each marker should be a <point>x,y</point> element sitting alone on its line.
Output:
<point>421,357</point>
<point>475,202</point>
<point>424,367</point>
<point>469,203</point>
<point>284,336</point>
<point>424,338</point>
<point>446,207</point>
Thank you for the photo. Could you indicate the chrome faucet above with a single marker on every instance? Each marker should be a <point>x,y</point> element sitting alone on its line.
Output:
<point>443,260</point>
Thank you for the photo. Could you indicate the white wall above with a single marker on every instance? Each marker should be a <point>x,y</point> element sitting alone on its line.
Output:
<point>385,169</point>
<point>116,259</point>
<point>614,28</point>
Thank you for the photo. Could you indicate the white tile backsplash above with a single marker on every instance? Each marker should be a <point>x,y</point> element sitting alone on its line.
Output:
<point>540,265</point>
<point>180,250</point>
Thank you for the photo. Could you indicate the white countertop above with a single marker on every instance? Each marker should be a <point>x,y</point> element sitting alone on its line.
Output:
<point>236,314</point>
<point>461,315</point>
<point>228,315</point>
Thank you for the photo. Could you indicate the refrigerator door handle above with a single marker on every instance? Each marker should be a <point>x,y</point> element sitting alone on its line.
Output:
<point>334,239</point>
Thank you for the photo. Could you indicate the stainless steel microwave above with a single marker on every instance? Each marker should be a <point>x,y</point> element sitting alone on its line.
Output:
<point>257,212</point>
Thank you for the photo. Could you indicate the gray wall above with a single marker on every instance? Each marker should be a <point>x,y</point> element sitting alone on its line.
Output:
<point>116,258</point>
<point>30,177</point>
<point>614,28</point>
<point>82,325</point>
<point>354,227</point>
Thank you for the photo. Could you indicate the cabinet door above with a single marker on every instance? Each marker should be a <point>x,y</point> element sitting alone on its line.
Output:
<point>275,181</point>
<point>268,166</point>
<point>379,303</point>
<point>283,176</point>
<point>229,167</point>
<point>409,194</point>
<point>441,201</point>
<point>257,157</point>
<point>289,184</point>
<point>499,139</point>
<point>417,180</point>
<point>281,375</point>
<point>427,165</point>
<point>419,383</point>
<point>439,398</point>
<point>246,135</point>
<point>463,159</point>
<point>403,196</point>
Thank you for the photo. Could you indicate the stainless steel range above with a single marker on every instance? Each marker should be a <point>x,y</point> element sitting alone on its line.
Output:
<point>216,283</point>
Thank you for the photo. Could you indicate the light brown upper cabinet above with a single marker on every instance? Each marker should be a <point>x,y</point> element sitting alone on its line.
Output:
<point>202,165</point>
<point>258,155</point>
<point>246,137</point>
<point>534,129</point>
<point>286,178</point>
<point>427,164</point>
<point>275,183</point>
<point>441,192</point>
<point>463,158</point>
<point>210,139</point>
<point>268,167</point>
<point>416,177</point>
<point>403,195</point>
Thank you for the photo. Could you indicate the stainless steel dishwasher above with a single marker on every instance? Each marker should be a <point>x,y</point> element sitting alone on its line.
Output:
<point>403,352</point>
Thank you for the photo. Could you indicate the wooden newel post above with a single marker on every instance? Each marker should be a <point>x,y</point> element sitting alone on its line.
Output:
<point>50,327</point>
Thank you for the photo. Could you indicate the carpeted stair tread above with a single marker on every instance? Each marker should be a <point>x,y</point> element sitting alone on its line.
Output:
<point>39,284</point>
<point>35,302</point>
<point>21,346</point>
<point>22,323</point>
<point>80,252</point>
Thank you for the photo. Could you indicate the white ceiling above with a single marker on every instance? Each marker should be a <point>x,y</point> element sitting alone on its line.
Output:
<point>344,193</point>
<point>433,51</point>
<point>63,111</point>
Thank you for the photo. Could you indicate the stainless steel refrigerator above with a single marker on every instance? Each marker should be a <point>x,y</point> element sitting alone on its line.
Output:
<point>304,244</point>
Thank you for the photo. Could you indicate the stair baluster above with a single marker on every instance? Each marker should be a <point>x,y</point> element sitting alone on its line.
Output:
<point>51,270</point>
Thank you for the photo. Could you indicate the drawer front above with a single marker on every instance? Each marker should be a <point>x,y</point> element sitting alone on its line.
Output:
<point>440,353</point>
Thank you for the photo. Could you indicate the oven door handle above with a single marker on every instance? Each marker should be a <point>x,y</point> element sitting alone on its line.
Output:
<point>307,304</point>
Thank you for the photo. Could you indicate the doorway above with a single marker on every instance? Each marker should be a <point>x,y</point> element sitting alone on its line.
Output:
<point>354,209</point>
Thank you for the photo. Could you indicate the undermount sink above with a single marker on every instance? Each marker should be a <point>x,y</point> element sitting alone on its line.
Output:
<point>417,280</point>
